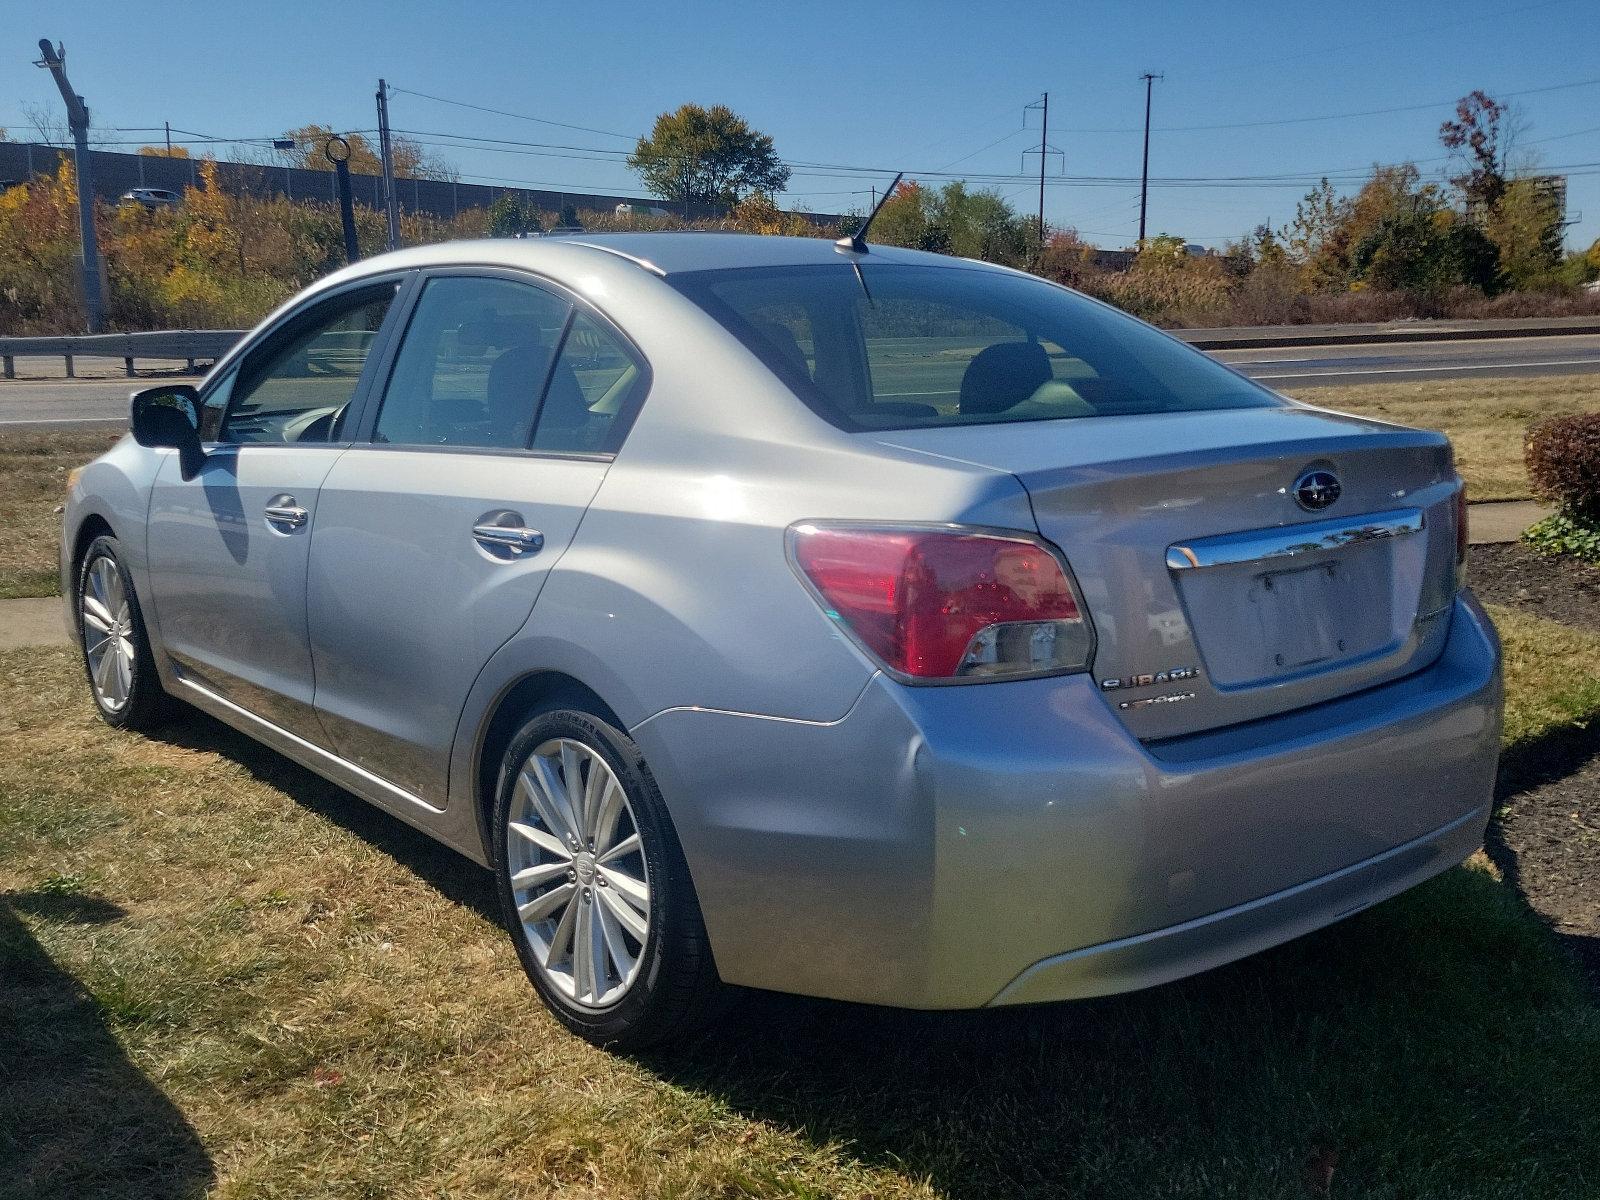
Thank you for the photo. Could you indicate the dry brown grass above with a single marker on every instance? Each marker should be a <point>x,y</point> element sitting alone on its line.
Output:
<point>217,971</point>
<point>33,483</point>
<point>1485,418</point>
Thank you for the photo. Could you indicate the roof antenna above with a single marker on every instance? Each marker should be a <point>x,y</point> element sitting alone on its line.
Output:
<point>856,243</point>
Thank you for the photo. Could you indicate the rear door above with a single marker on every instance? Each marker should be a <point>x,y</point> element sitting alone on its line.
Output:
<point>436,531</point>
<point>228,549</point>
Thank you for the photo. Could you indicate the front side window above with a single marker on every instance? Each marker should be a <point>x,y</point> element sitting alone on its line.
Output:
<point>298,386</point>
<point>474,362</point>
<point>901,346</point>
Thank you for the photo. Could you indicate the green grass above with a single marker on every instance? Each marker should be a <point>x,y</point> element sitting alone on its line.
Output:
<point>217,971</point>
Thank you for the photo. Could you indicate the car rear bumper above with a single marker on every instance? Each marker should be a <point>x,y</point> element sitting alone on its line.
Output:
<point>1010,843</point>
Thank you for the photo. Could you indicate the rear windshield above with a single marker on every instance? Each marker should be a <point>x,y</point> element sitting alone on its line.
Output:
<point>901,347</point>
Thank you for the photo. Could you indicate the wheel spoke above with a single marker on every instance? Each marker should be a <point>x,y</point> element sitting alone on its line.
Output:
<point>572,787</point>
<point>561,939</point>
<point>624,913</point>
<point>540,907</point>
<point>123,676</point>
<point>630,889</point>
<point>609,808</point>
<point>103,670</point>
<point>597,785</point>
<point>616,945</point>
<point>549,797</point>
<point>584,985</point>
<point>622,849</point>
<point>531,877</point>
<point>96,615</point>
<point>547,842</point>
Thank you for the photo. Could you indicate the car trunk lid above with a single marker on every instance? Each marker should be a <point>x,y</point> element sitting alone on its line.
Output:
<point>1217,597</point>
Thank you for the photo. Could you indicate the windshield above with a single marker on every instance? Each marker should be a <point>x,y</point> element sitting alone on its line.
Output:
<point>910,346</point>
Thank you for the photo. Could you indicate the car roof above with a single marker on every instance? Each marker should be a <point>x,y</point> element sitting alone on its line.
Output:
<point>662,254</point>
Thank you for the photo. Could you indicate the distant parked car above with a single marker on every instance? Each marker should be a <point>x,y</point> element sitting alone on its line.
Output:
<point>151,198</point>
<point>1593,286</point>
<point>872,625</point>
<point>641,210</point>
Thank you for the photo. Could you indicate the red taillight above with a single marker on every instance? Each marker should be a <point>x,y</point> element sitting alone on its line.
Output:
<point>942,604</point>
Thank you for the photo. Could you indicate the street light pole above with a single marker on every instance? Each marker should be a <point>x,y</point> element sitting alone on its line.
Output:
<point>54,61</point>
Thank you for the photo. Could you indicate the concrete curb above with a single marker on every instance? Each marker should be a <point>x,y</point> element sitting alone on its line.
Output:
<point>1264,337</point>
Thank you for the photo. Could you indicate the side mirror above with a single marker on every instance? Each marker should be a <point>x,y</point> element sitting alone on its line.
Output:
<point>169,416</point>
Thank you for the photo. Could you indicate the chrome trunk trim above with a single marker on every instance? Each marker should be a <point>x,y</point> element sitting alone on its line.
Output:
<point>1292,541</point>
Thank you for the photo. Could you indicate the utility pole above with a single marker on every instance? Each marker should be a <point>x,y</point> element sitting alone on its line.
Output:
<point>1044,136</point>
<point>54,61</point>
<point>390,200</point>
<point>168,124</point>
<point>1144,173</point>
<point>1044,152</point>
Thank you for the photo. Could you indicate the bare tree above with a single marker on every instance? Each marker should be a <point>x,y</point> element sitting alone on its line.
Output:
<point>51,127</point>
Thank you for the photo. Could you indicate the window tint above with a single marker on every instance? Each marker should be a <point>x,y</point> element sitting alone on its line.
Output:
<point>296,388</point>
<point>591,384</point>
<point>907,346</point>
<point>473,363</point>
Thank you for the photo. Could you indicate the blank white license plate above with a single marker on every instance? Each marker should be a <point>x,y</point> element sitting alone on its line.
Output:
<point>1302,615</point>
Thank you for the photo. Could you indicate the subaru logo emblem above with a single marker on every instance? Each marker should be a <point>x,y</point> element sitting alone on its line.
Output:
<point>1316,489</point>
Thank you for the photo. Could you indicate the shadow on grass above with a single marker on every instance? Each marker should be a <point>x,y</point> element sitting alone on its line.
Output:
<point>452,875</point>
<point>1439,1044</point>
<point>1524,769</point>
<point>77,1118</point>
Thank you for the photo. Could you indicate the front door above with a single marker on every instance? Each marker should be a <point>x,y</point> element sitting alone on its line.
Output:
<point>228,549</point>
<point>436,535</point>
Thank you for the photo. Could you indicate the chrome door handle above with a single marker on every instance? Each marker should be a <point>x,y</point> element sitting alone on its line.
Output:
<point>291,515</point>
<point>515,540</point>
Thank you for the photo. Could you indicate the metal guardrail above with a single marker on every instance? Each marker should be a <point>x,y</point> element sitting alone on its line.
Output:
<point>193,345</point>
<point>190,345</point>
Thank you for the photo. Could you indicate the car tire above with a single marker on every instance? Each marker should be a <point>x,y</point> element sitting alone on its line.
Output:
<point>563,886</point>
<point>117,658</point>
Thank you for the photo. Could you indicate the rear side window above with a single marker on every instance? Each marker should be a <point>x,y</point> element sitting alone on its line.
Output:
<point>474,362</point>
<point>592,384</point>
<point>909,346</point>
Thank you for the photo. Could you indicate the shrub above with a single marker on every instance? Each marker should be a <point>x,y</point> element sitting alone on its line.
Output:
<point>1561,534</point>
<point>1563,459</point>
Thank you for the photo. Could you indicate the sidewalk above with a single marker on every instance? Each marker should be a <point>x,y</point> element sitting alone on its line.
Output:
<point>1502,520</point>
<point>32,623</point>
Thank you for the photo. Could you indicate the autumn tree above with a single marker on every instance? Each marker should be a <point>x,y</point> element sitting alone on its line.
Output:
<point>1525,226</point>
<point>411,161</point>
<point>1479,136</point>
<point>1317,241</point>
<point>707,156</point>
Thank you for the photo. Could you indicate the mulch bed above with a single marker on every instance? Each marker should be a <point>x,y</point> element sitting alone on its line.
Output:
<point>1557,588</point>
<point>1547,841</point>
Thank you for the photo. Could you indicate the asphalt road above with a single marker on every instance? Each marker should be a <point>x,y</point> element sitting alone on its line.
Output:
<point>1300,366</point>
<point>86,403</point>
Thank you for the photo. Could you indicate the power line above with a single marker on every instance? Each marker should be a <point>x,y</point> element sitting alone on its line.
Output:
<point>500,112</point>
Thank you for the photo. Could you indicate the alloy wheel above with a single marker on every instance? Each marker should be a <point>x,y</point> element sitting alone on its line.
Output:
<point>107,621</point>
<point>578,874</point>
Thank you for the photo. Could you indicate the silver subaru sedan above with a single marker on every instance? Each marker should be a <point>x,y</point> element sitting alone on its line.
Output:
<point>832,619</point>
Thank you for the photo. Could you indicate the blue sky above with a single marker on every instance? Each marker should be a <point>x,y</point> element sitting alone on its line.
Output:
<point>924,87</point>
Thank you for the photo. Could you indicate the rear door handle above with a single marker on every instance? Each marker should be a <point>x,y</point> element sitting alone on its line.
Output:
<point>284,511</point>
<point>510,540</point>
